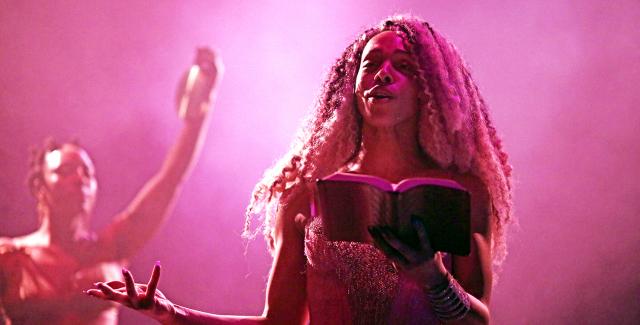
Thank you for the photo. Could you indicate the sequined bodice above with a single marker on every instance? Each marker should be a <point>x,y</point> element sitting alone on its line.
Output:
<point>354,283</point>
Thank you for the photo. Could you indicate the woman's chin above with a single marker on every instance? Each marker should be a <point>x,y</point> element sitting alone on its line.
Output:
<point>385,120</point>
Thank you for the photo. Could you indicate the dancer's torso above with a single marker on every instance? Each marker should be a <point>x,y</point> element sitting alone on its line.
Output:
<point>43,284</point>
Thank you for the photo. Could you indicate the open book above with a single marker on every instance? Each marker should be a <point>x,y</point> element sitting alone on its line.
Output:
<point>349,203</point>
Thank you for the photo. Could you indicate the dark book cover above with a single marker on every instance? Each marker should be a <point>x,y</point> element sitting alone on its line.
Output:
<point>349,203</point>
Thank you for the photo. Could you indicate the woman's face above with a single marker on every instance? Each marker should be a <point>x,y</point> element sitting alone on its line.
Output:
<point>386,91</point>
<point>69,179</point>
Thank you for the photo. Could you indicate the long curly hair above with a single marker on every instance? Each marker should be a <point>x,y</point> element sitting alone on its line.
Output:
<point>454,129</point>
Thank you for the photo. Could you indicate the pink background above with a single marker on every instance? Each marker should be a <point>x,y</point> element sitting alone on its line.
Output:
<point>561,78</point>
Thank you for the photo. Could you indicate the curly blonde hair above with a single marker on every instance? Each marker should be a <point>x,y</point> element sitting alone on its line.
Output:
<point>455,129</point>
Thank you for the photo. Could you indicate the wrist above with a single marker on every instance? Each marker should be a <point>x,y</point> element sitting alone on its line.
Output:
<point>437,279</point>
<point>448,300</point>
<point>169,314</point>
<point>196,116</point>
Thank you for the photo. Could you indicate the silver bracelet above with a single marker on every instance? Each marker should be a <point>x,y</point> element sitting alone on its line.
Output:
<point>449,301</point>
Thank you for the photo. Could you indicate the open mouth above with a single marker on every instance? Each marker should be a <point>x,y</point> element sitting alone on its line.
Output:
<point>380,97</point>
<point>378,93</point>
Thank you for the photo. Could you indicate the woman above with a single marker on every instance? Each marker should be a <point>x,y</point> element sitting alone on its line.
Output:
<point>398,103</point>
<point>41,273</point>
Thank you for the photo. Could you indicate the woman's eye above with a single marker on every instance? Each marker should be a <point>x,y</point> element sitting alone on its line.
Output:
<point>368,65</point>
<point>405,66</point>
<point>64,170</point>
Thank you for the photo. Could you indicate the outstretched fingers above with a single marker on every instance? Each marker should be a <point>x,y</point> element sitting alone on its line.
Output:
<point>96,293</point>
<point>144,297</point>
<point>398,251</point>
<point>109,293</point>
<point>421,230</point>
<point>152,285</point>
<point>129,284</point>
<point>382,240</point>
<point>405,252</point>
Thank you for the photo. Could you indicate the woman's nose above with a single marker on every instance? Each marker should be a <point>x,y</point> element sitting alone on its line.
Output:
<point>384,76</point>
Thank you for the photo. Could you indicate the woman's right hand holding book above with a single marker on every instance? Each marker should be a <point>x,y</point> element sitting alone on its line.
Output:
<point>422,265</point>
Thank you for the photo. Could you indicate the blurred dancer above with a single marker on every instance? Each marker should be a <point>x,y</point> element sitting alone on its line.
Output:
<point>399,103</point>
<point>42,274</point>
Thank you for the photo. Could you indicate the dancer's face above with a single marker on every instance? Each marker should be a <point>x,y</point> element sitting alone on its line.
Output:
<point>385,87</point>
<point>69,179</point>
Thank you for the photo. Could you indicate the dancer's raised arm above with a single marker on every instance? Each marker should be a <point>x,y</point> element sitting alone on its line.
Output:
<point>147,211</point>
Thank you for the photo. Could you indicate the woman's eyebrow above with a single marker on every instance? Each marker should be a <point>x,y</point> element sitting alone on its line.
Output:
<point>402,52</point>
<point>374,52</point>
<point>377,52</point>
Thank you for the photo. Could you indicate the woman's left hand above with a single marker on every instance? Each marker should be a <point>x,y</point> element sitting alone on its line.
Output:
<point>423,265</point>
<point>143,298</point>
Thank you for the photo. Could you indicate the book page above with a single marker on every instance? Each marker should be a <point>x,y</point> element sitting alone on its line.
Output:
<point>376,181</point>
<point>410,183</point>
<point>387,186</point>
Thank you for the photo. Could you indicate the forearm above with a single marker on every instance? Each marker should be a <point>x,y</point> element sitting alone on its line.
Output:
<point>186,316</point>
<point>155,199</point>
<point>184,152</point>
<point>478,314</point>
<point>153,203</point>
<point>449,299</point>
<point>157,195</point>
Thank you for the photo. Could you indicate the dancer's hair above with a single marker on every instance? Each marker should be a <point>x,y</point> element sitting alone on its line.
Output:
<point>35,178</point>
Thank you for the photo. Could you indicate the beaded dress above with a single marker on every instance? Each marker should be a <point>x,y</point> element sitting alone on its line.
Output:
<point>354,283</point>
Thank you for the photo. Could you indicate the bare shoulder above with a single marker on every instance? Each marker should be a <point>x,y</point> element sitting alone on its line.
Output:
<point>296,196</point>
<point>473,184</point>
<point>10,244</point>
<point>11,248</point>
<point>7,245</point>
<point>480,202</point>
<point>34,239</point>
<point>297,200</point>
<point>295,206</point>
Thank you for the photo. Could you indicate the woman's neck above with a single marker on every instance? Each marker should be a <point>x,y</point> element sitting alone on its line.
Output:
<point>393,153</point>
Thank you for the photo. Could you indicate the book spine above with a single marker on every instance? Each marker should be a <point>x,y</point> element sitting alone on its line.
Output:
<point>395,212</point>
